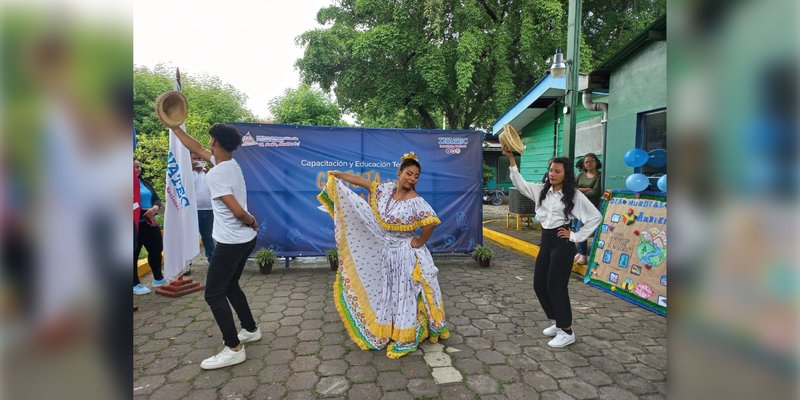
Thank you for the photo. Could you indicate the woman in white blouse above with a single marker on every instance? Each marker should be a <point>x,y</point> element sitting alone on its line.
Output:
<point>557,203</point>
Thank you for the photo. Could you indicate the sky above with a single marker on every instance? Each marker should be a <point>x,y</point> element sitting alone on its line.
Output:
<point>248,44</point>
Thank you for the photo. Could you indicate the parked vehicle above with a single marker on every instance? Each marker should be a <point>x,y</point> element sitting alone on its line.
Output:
<point>494,197</point>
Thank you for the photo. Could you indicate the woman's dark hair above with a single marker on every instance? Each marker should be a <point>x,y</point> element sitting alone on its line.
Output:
<point>226,135</point>
<point>567,188</point>
<point>579,164</point>
<point>409,162</point>
<point>597,160</point>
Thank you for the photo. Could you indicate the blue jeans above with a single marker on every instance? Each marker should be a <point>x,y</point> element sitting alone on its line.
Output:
<point>205,219</point>
<point>583,247</point>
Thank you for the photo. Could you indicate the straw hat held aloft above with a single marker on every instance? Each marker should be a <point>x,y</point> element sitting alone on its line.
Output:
<point>171,108</point>
<point>510,139</point>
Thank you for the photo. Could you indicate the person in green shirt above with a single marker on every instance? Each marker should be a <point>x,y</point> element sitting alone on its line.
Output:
<point>588,182</point>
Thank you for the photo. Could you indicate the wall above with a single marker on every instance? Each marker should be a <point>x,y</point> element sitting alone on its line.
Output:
<point>638,85</point>
<point>538,137</point>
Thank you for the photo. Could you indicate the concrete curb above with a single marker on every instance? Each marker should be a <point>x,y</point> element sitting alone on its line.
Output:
<point>523,246</point>
<point>143,268</point>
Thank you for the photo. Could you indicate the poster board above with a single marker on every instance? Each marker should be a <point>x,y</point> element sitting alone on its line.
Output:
<point>629,253</point>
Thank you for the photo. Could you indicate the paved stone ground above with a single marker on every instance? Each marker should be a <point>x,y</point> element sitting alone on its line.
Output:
<point>496,344</point>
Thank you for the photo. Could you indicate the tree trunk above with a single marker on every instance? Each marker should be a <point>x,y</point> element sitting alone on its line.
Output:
<point>426,117</point>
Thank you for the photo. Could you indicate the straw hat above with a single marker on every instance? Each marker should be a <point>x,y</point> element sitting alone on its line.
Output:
<point>171,108</point>
<point>510,138</point>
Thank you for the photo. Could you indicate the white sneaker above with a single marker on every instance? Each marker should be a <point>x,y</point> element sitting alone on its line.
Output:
<point>551,330</point>
<point>247,337</point>
<point>225,358</point>
<point>562,339</point>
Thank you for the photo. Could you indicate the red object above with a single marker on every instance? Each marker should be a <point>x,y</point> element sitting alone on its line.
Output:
<point>647,266</point>
<point>179,288</point>
<point>630,211</point>
<point>636,232</point>
<point>611,227</point>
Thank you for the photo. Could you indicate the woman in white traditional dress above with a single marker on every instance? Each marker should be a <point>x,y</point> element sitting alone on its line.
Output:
<point>386,290</point>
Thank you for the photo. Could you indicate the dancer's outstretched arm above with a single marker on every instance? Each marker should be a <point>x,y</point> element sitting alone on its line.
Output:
<point>355,180</point>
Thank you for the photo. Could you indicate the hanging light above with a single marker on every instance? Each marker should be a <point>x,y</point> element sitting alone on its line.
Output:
<point>559,67</point>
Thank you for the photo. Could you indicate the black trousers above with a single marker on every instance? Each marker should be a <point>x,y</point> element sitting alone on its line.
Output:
<point>222,286</point>
<point>551,276</point>
<point>149,237</point>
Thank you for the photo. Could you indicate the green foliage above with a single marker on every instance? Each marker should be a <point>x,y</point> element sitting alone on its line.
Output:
<point>305,106</point>
<point>488,173</point>
<point>407,63</point>
<point>151,151</point>
<point>481,253</point>
<point>210,101</point>
<point>265,256</point>
<point>332,254</point>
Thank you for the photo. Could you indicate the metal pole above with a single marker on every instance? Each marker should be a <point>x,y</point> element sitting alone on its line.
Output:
<point>572,98</point>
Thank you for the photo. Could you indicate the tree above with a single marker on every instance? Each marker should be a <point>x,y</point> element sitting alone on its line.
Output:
<point>305,106</point>
<point>608,25</point>
<point>210,101</point>
<point>412,62</point>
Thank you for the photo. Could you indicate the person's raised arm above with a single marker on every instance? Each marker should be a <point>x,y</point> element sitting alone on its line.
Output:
<point>191,143</point>
<point>527,189</point>
<point>355,180</point>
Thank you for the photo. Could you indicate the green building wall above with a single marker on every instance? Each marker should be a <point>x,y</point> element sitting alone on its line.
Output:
<point>639,85</point>
<point>538,137</point>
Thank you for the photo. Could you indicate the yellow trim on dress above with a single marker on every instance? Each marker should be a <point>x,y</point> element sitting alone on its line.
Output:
<point>355,336</point>
<point>437,310</point>
<point>418,223</point>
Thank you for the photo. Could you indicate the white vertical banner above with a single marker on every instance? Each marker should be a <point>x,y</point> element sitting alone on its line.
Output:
<point>181,233</point>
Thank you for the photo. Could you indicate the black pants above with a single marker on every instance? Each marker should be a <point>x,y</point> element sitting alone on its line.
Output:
<point>222,286</point>
<point>150,238</point>
<point>551,275</point>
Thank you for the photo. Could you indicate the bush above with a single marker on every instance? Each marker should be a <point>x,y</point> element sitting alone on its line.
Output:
<point>487,173</point>
<point>332,255</point>
<point>481,253</point>
<point>265,256</point>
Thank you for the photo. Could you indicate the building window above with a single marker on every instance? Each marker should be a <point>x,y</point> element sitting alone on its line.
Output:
<point>652,135</point>
<point>503,176</point>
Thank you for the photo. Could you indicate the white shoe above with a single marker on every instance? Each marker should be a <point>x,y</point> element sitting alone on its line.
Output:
<point>247,337</point>
<point>225,358</point>
<point>562,339</point>
<point>551,330</point>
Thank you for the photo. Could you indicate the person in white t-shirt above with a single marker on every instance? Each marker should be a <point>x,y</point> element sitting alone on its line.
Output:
<point>235,235</point>
<point>205,213</point>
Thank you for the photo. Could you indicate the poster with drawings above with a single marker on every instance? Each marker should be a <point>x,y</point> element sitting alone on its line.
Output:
<point>629,252</point>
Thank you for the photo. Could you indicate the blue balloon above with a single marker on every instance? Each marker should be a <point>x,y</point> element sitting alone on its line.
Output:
<point>658,158</point>
<point>637,182</point>
<point>635,158</point>
<point>662,183</point>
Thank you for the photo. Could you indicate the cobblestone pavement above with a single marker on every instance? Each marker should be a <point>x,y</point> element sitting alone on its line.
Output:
<point>496,350</point>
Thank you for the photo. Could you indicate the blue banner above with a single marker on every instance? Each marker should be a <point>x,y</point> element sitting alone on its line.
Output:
<point>285,167</point>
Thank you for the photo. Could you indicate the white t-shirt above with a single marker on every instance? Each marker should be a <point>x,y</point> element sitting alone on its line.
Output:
<point>201,191</point>
<point>223,179</point>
